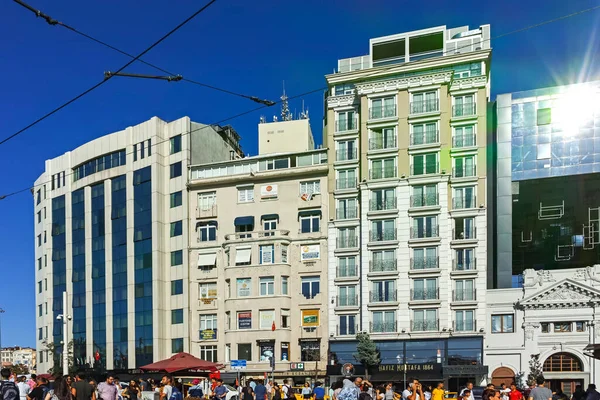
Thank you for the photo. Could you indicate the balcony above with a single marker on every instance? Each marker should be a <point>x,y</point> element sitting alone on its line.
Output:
<point>461,203</point>
<point>345,183</point>
<point>347,242</point>
<point>424,294</point>
<point>421,170</point>
<point>350,330</point>
<point>424,325</point>
<point>383,143</point>
<point>256,235</point>
<point>346,301</point>
<point>349,271</point>
<point>346,155</point>
<point>383,235</point>
<point>424,106</point>
<point>380,112</point>
<point>424,138</point>
<point>464,295</point>
<point>464,110</point>
<point>383,327</point>
<point>390,296</point>
<point>464,265</point>
<point>460,141</point>
<point>465,326</point>
<point>309,231</point>
<point>383,173</point>
<point>383,205</point>
<point>424,263</point>
<point>425,233</point>
<point>346,213</point>
<point>206,212</point>
<point>346,125</point>
<point>383,265</point>
<point>425,200</point>
<point>464,234</point>
<point>464,172</point>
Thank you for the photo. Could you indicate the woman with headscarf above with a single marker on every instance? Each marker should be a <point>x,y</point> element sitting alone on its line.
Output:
<point>349,391</point>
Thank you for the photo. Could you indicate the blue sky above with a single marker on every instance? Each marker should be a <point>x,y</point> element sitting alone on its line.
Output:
<point>249,47</point>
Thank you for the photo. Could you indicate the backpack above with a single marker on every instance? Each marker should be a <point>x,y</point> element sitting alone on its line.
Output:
<point>9,391</point>
<point>45,391</point>
<point>176,394</point>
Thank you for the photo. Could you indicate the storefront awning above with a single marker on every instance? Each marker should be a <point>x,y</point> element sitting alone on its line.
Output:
<point>248,220</point>
<point>208,259</point>
<point>269,217</point>
<point>242,256</point>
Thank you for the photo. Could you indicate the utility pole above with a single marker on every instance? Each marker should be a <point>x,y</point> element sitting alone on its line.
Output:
<point>65,320</point>
<point>1,312</point>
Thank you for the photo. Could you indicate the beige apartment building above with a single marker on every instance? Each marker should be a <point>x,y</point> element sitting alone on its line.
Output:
<point>407,139</point>
<point>259,286</point>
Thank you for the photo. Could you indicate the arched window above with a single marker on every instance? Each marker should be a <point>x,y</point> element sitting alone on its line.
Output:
<point>562,362</point>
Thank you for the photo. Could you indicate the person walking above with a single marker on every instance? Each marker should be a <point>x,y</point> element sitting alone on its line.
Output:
<point>82,389</point>
<point>221,390</point>
<point>32,381</point>
<point>24,388</point>
<point>167,387</point>
<point>306,391</point>
<point>40,390</point>
<point>61,391</point>
<point>439,392</point>
<point>540,392</point>
<point>131,392</point>
<point>467,392</point>
<point>514,393</point>
<point>260,391</point>
<point>319,391</point>
<point>286,389</point>
<point>107,390</point>
<point>349,391</point>
<point>8,389</point>
<point>247,392</point>
<point>592,393</point>
<point>578,394</point>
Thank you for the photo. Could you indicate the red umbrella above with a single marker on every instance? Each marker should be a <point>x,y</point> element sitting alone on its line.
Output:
<point>182,361</point>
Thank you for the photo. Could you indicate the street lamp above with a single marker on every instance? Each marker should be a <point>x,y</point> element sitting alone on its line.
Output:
<point>1,312</point>
<point>65,319</point>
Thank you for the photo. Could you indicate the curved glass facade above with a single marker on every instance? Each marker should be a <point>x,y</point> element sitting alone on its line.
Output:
<point>78,278</point>
<point>98,272</point>
<point>119,271</point>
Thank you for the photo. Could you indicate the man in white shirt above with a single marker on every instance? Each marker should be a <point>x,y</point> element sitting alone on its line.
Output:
<point>469,395</point>
<point>24,388</point>
<point>167,389</point>
<point>285,389</point>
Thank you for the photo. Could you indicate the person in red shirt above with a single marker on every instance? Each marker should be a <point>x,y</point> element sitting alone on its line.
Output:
<point>514,393</point>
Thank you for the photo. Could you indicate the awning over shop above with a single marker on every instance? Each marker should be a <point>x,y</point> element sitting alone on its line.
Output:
<point>242,255</point>
<point>207,259</point>
<point>242,221</point>
<point>269,217</point>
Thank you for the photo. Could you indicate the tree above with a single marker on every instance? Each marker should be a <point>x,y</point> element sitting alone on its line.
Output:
<point>20,369</point>
<point>56,354</point>
<point>535,369</point>
<point>366,352</point>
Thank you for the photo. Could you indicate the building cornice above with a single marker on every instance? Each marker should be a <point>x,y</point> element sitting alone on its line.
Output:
<point>472,82</point>
<point>404,83</point>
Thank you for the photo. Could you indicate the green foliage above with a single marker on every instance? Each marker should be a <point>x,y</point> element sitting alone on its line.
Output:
<point>57,358</point>
<point>535,369</point>
<point>20,369</point>
<point>366,351</point>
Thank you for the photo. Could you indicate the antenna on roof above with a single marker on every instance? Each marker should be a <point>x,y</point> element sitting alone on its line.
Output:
<point>285,109</point>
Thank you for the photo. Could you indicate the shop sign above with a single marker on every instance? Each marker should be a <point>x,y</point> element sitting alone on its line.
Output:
<point>465,370</point>
<point>310,318</point>
<point>310,252</point>
<point>268,191</point>
<point>267,351</point>
<point>422,371</point>
<point>208,334</point>
<point>245,320</point>
<point>296,366</point>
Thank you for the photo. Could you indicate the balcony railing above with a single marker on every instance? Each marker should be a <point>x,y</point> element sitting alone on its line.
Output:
<point>382,143</point>
<point>424,294</point>
<point>383,235</point>
<point>348,271</point>
<point>465,265</point>
<point>256,234</point>
<point>308,229</point>
<point>383,297</point>
<point>464,172</point>
<point>427,137</point>
<point>459,203</point>
<point>349,330</point>
<point>382,173</point>
<point>379,112</point>
<point>459,141</point>
<point>347,242</point>
<point>383,265</point>
<point>424,263</point>
<point>464,294</point>
<point>425,200</point>
<point>381,205</point>
<point>206,212</point>
<point>384,327</point>
<point>345,125</point>
<point>345,183</point>
<point>428,169</point>
<point>464,234</point>
<point>464,110</point>
<point>468,325</point>
<point>346,213</point>
<point>425,233</point>
<point>424,106</point>
<point>346,155</point>
<point>424,325</point>
<point>346,301</point>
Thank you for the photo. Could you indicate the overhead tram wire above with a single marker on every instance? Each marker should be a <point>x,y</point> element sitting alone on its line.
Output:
<point>2,197</point>
<point>325,88</point>
<point>156,43</point>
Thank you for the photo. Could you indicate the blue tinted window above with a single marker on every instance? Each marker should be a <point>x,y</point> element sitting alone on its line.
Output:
<point>175,169</point>
<point>177,345</point>
<point>177,316</point>
<point>176,257</point>
<point>177,287</point>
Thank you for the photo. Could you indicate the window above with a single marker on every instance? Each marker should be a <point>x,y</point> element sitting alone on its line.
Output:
<point>142,155</point>
<point>465,290</point>
<point>310,187</point>
<point>176,258</point>
<point>383,291</point>
<point>383,168</point>
<point>347,267</point>
<point>39,216</point>
<point>208,353</point>
<point>580,326</point>
<point>424,134</point>
<point>208,290</point>
<point>176,199</point>
<point>284,253</point>
<point>562,362</point>
<point>176,287</point>
<point>45,260</point>
<point>246,194</point>
<point>464,197</point>
<point>135,152</point>
<point>310,221</point>
<point>424,227</point>
<point>560,327</point>
<point>347,238</point>
<point>243,256</point>
<point>267,286</point>
<point>464,321</point>
<point>347,325</point>
<point>310,351</point>
<point>464,105</point>
<point>267,254</point>
<point>347,296</point>
<point>40,335</point>
<point>464,167</point>
<point>177,316</point>
<point>464,228</point>
<point>269,225</point>
<point>39,239</point>
<point>346,121</point>
<point>40,287</point>
<point>38,197</point>
<point>244,351</point>
<point>544,151</point>
<point>45,237</point>
<point>346,150</point>
<point>502,323</point>
<point>284,285</point>
<point>175,144</point>
<point>40,310</point>
<point>267,318</point>
<point>227,353</point>
<point>347,208</point>
<point>175,170</point>
<point>424,102</point>
<point>207,232</point>
<point>382,108</point>
<point>207,201</point>
<point>425,320</point>
<point>244,287</point>
<point>464,136</point>
<point>465,260</point>
<point>177,345</point>
<point>383,321</point>
<point>39,263</point>
<point>544,116</point>
<point>424,164</point>
<point>285,318</point>
<point>383,199</point>
<point>424,258</point>
<point>176,228</point>
<point>545,327</point>
<point>382,138</point>
<point>310,286</point>
<point>208,321</point>
<point>149,142</point>
<point>383,229</point>
<point>424,196</point>
<point>425,289</point>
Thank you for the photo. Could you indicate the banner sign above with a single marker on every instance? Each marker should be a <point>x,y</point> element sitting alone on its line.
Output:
<point>310,252</point>
<point>208,334</point>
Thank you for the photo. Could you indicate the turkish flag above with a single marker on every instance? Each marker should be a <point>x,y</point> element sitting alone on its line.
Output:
<point>273,326</point>
<point>97,356</point>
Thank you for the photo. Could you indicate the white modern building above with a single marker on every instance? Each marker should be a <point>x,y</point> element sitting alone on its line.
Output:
<point>111,230</point>
<point>554,315</point>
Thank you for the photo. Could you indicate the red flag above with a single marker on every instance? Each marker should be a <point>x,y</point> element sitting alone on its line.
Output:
<point>273,326</point>
<point>97,356</point>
